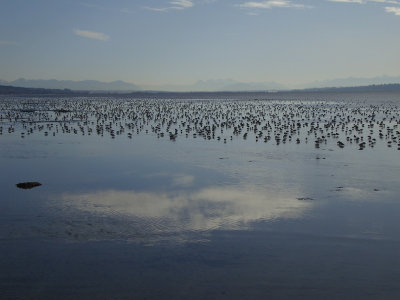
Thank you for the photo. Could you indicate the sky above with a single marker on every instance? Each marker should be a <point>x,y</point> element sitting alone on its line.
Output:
<point>149,42</point>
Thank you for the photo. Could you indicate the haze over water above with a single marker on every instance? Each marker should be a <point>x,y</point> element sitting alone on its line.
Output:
<point>213,196</point>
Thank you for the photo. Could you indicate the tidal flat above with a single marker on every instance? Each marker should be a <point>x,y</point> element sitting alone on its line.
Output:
<point>201,196</point>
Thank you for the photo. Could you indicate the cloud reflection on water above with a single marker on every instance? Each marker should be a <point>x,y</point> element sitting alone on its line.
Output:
<point>207,209</point>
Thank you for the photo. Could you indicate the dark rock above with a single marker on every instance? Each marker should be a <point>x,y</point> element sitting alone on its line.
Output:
<point>28,185</point>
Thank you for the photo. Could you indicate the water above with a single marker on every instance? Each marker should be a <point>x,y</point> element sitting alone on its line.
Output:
<point>188,214</point>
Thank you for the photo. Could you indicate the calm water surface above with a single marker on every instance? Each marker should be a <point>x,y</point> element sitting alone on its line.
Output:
<point>188,215</point>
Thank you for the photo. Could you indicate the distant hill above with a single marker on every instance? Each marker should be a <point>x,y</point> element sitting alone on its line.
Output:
<point>212,85</point>
<point>215,85</point>
<point>392,87</point>
<point>233,85</point>
<point>13,90</point>
<point>85,85</point>
<point>354,81</point>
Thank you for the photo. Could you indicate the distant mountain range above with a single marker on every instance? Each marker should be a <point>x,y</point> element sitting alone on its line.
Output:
<point>353,81</point>
<point>12,90</point>
<point>93,85</point>
<point>390,87</point>
<point>85,85</point>
<point>212,85</point>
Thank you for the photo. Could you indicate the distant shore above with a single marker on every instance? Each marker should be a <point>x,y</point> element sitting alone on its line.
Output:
<point>13,90</point>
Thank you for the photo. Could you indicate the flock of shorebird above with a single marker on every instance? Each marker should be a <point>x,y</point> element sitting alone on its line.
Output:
<point>269,121</point>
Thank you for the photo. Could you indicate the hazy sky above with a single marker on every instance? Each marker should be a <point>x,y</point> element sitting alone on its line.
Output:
<point>182,41</point>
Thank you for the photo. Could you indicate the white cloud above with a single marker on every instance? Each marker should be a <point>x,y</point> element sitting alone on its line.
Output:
<point>347,1</point>
<point>290,4</point>
<point>182,3</point>
<point>272,4</point>
<point>177,5</point>
<point>365,1</point>
<point>157,8</point>
<point>91,34</point>
<point>385,1</point>
<point>394,10</point>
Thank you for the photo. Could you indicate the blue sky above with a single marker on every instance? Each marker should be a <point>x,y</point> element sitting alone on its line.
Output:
<point>182,41</point>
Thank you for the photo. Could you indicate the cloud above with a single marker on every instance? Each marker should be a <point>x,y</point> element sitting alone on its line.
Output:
<point>272,4</point>
<point>394,10</point>
<point>348,1</point>
<point>290,4</point>
<point>389,9</point>
<point>177,5</point>
<point>163,9</point>
<point>182,4</point>
<point>91,34</point>
<point>385,1</point>
<point>365,1</point>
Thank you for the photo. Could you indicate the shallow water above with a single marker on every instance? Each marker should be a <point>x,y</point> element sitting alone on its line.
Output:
<point>150,216</point>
